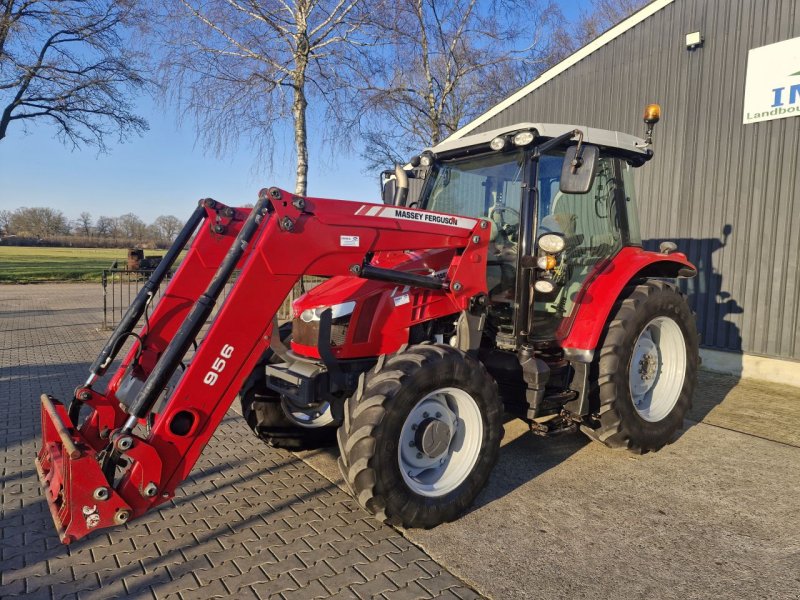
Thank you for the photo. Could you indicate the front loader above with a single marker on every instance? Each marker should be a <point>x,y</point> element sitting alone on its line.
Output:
<point>515,281</point>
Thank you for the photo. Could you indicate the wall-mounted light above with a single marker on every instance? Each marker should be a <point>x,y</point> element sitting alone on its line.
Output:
<point>694,40</point>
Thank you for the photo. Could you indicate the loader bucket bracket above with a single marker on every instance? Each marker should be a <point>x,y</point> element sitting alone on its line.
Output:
<point>78,495</point>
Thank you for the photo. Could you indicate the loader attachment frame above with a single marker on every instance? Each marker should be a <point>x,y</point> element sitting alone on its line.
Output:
<point>124,458</point>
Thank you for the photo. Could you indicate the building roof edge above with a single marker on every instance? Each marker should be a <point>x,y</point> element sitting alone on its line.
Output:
<point>611,34</point>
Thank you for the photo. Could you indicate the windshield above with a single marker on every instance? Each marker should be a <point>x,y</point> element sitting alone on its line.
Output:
<point>486,186</point>
<point>489,187</point>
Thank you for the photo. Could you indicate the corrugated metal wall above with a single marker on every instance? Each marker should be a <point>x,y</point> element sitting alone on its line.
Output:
<point>727,193</point>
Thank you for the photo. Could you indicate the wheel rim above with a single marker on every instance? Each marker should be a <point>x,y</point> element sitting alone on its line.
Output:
<point>309,418</point>
<point>440,442</point>
<point>657,369</point>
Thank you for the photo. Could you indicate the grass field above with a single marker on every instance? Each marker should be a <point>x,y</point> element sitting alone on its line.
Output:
<point>31,265</point>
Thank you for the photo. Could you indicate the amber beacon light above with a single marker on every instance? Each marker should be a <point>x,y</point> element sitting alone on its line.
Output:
<point>652,113</point>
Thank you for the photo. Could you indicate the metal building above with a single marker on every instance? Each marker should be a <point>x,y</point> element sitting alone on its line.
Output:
<point>727,192</point>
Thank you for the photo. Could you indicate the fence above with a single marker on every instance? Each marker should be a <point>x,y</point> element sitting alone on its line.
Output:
<point>120,287</point>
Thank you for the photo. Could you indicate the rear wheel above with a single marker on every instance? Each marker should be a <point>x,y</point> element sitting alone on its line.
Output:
<point>421,435</point>
<point>646,369</point>
<point>277,422</point>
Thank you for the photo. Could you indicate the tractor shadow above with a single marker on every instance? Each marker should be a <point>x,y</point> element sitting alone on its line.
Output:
<point>524,457</point>
<point>717,316</point>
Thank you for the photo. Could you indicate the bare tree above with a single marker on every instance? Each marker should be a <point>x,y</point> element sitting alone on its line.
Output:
<point>40,222</point>
<point>167,227</point>
<point>247,68</point>
<point>132,226</point>
<point>105,226</point>
<point>446,62</point>
<point>85,224</point>
<point>154,235</point>
<point>5,221</point>
<point>603,15</point>
<point>65,62</point>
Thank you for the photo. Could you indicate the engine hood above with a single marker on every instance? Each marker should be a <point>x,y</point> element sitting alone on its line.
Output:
<point>340,289</point>
<point>370,317</point>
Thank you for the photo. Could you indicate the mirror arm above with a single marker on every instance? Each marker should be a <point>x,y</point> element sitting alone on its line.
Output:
<point>557,141</point>
<point>577,162</point>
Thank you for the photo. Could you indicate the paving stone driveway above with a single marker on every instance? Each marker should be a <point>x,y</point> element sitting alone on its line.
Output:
<point>251,521</point>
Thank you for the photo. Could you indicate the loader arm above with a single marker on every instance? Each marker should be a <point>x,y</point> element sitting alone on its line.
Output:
<point>124,458</point>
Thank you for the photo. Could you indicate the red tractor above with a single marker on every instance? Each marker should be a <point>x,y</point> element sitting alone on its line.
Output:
<point>513,281</point>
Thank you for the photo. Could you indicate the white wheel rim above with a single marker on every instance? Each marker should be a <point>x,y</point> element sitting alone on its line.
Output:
<point>310,418</point>
<point>657,369</point>
<point>460,435</point>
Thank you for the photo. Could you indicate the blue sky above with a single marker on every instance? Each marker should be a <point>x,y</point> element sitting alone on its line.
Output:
<point>162,172</point>
<point>165,171</point>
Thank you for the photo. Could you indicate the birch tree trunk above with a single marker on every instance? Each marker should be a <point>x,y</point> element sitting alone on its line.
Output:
<point>299,107</point>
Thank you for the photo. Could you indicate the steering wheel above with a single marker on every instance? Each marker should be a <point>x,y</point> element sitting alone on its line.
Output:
<point>508,230</point>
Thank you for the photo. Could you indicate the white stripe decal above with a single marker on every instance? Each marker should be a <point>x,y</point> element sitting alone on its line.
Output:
<point>373,211</point>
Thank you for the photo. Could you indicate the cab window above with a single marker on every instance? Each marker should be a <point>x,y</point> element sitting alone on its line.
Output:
<point>592,224</point>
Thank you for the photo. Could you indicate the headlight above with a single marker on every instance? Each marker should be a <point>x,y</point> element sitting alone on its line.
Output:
<point>546,263</point>
<point>426,159</point>
<point>552,243</point>
<point>309,314</point>
<point>523,138</point>
<point>337,311</point>
<point>544,286</point>
<point>498,143</point>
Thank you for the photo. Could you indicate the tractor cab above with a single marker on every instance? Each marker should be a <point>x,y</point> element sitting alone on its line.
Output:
<point>547,235</point>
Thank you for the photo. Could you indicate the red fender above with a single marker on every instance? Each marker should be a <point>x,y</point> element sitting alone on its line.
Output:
<point>597,298</point>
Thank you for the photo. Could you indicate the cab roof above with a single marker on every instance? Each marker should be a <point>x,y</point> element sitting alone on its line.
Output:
<point>591,135</point>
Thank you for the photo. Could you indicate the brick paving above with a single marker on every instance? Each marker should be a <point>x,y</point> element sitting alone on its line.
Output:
<point>250,522</point>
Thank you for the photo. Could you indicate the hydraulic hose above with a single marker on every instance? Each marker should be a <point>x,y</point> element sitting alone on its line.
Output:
<point>137,307</point>
<point>187,332</point>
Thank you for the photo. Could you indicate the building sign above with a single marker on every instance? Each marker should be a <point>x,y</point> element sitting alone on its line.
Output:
<point>772,86</point>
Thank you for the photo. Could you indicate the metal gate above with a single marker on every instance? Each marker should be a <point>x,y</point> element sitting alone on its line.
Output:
<point>120,287</point>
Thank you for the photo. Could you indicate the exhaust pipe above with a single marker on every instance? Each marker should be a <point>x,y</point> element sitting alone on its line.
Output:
<point>401,190</point>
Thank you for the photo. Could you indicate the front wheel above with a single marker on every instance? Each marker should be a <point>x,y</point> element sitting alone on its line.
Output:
<point>646,369</point>
<point>421,435</point>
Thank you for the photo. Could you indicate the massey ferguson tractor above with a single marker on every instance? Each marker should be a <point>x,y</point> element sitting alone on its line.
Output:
<point>513,281</point>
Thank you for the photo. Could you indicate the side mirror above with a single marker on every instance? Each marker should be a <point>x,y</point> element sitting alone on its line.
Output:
<point>578,170</point>
<point>388,186</point>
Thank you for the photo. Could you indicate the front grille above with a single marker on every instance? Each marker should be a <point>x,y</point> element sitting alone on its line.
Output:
<point>339,333</point>
<point>307,334</point>
<point>304,333</point>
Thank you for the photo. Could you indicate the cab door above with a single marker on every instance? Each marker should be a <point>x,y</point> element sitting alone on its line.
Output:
<point>595,228</point>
